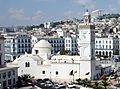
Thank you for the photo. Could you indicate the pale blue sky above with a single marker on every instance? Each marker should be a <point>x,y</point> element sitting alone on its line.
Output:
<point>26,12</point>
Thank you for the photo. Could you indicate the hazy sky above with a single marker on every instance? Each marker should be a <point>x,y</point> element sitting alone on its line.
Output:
<point>26,12</point>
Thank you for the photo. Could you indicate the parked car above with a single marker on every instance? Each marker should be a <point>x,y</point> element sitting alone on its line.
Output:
<point>59,86</point>
<point>48,84</point>
<point>71,86</point>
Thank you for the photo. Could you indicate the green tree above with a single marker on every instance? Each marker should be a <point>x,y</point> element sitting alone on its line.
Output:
<point>105,83</point>
<point>97,86</point>
<point>86,83</point>
<point>62,51</point>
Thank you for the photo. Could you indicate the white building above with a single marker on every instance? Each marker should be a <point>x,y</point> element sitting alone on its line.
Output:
<point>71,45</point>
<point>106,46</point>
<point>61,33</point>
<point>8,75</point>
<point>60,68</point>
<point>16,44</point>
<point>64,68</point>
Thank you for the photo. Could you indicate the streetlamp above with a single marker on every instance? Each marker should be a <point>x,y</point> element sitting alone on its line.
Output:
<point>50,75</point>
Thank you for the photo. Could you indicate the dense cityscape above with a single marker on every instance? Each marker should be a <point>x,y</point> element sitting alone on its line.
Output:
<point>74,53</point>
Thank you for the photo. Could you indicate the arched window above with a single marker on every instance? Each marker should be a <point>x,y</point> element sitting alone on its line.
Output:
<point>36,51</point>
<point>100,53</point>
<point>106,53</point>
<point>96,52</point>
<point>27,64</point>
<point>110,53</point>
<point>103,53</point>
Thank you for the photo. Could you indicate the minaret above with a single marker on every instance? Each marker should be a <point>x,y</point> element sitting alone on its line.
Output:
<point>87,17</point>
<point>87,46</point>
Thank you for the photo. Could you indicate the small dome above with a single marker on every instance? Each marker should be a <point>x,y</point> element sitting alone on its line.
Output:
<point>42,44</point>
<point>86,13</point>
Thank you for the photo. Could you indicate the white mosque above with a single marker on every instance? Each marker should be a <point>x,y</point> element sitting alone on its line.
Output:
<point>64,68</point>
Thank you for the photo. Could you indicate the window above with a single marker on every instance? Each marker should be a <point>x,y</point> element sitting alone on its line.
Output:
<point>29,45</point>
<point>43,72</point>
<point>96,52</point>
<point>66,45</point>
<point>103,46</point>
<point>22,45</point>
<point>96,41</point>
<point>106,41</point>
<point>99,41</point>
<point>13,40</point>
<point>13,71</point>
<point>4,83</point>
<point>18,50</point>
<point>69,45</point>
<point>69,41</point>
<point>56,72</point>
<point>9,74</point>
<point>27,64</point>
<point>106,46</point>
<point>18,40</point>
<point>28,40</point>
<point>25,40</point>
<point>66,41</point>
<point>36,51</point>
<point>25,45</point>
<point>110,46</point>
<point>22,50</point>
<point>22,41</point>
<point>18,45</point>
<point>9,82</point>
<point>13,80</point>
<point>41,62</point>
<point>4,75</point>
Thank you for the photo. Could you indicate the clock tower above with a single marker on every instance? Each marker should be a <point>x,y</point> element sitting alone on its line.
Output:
<point>87,41</point>
<point>87,48</point>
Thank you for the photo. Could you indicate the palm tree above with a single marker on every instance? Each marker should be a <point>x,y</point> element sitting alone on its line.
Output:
<point>86,82</point>
<point>105,83</point>
<point>97,86</point>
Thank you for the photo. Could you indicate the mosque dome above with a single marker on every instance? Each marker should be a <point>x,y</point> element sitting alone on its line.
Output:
<point>42,44</point>
<point>42,48</point>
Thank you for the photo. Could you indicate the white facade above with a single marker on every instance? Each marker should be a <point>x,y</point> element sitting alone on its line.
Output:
<point>39,65</point>
<point>61,33</point>
<point>87,48</point>
<point>105,46</point>
<point>71,45</point>
<point>8,75</point>
<point>16,44</point>
<point>56,71</point>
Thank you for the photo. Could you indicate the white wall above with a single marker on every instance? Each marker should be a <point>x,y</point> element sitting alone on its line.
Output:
<point>63,69</point>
